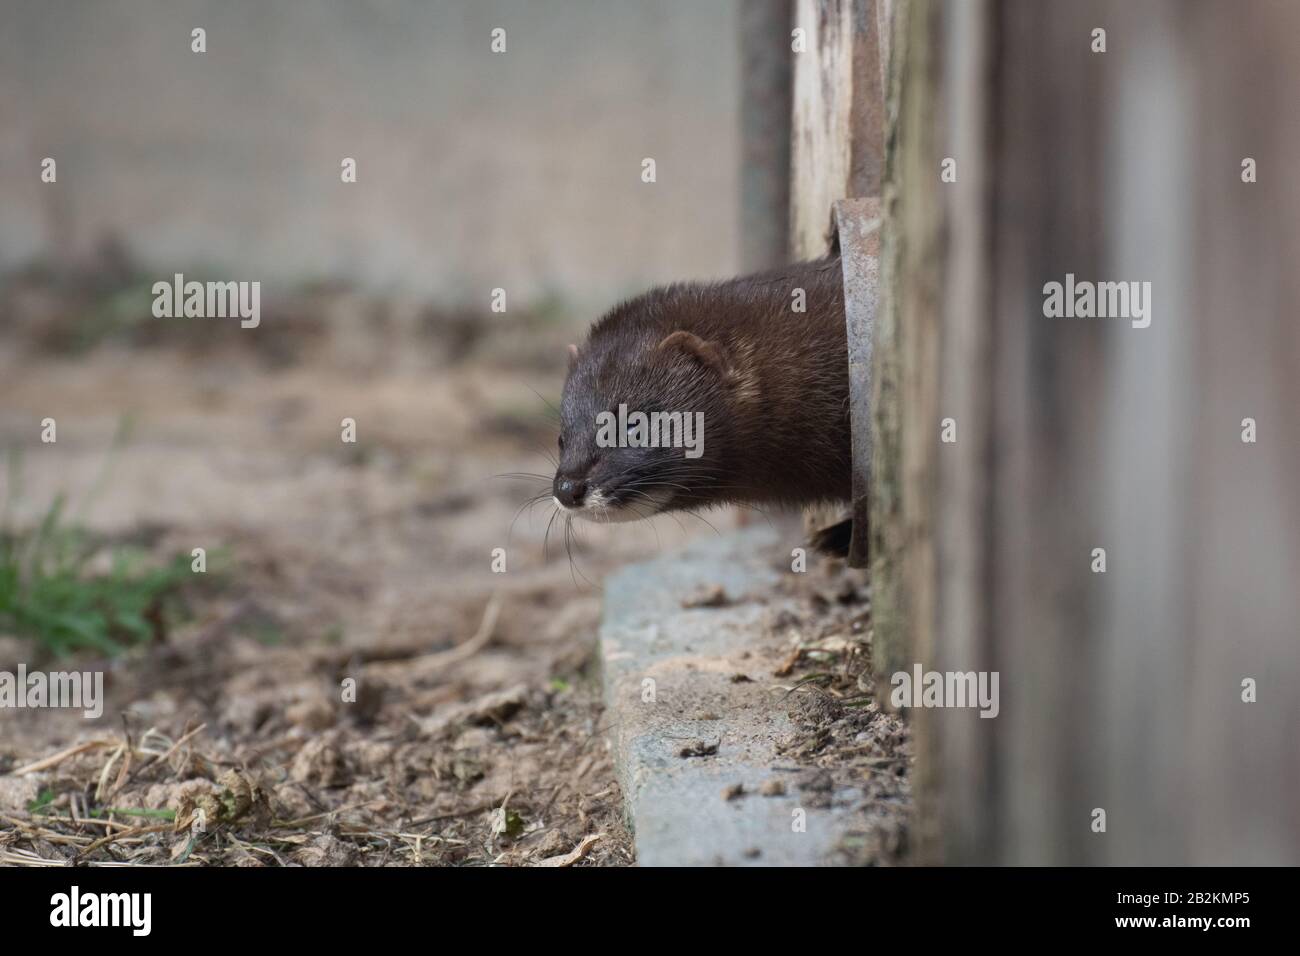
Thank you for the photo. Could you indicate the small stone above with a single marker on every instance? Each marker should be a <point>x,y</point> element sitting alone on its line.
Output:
<point>712,595</point>
<point>699,748</point>
<point>311,714</point>
<point>553,844</point>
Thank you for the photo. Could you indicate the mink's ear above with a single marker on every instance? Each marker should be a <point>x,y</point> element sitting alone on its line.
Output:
<point>573,356</point>
<point>708,354</point>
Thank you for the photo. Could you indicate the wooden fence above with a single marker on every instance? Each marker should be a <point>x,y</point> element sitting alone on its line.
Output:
<point>1105,511</point>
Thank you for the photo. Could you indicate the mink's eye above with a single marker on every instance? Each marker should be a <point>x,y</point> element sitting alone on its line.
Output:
<point>561,443</point>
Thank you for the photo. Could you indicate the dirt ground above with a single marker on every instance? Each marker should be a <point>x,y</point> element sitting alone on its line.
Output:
<point>475,733</point>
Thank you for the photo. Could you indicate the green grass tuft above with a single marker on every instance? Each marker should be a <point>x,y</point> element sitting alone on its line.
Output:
<point>47,594</point>
<point>50,593</point>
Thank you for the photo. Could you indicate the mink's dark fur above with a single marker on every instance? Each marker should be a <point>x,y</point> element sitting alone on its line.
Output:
<point>772,384</point>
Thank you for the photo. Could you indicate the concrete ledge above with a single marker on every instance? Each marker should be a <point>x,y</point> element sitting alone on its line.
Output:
<point>674,677</point>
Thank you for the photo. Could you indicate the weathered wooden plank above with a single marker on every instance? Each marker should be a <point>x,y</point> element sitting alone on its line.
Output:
<point>903,408</point>
<point>838,137</point>
<point>838,147</point>
<point>1120,690</point>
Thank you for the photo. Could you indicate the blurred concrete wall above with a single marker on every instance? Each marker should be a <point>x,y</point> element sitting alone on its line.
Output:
<point>475,169</point>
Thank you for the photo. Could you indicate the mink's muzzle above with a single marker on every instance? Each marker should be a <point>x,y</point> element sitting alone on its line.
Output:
<point>570,491</point>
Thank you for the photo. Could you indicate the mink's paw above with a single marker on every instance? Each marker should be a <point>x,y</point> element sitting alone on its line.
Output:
<point>835,539</point>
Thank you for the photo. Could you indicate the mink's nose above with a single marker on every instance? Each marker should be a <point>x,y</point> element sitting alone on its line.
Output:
<point>570,491</point>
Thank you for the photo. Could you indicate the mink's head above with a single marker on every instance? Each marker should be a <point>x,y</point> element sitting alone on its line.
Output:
<point>647,419</point>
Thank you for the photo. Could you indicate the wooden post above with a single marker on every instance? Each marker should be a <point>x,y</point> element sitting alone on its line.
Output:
<point>837,153</point>
<point>1125,691</point>
<point>839,122</point>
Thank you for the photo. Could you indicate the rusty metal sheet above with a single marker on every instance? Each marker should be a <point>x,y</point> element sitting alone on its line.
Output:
<point>857,221</point>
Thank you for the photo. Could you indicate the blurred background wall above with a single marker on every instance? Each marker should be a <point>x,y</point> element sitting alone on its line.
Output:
<point>475,170</point>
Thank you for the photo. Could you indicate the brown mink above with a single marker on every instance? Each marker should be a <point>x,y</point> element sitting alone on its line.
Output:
<point>766,386</point>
